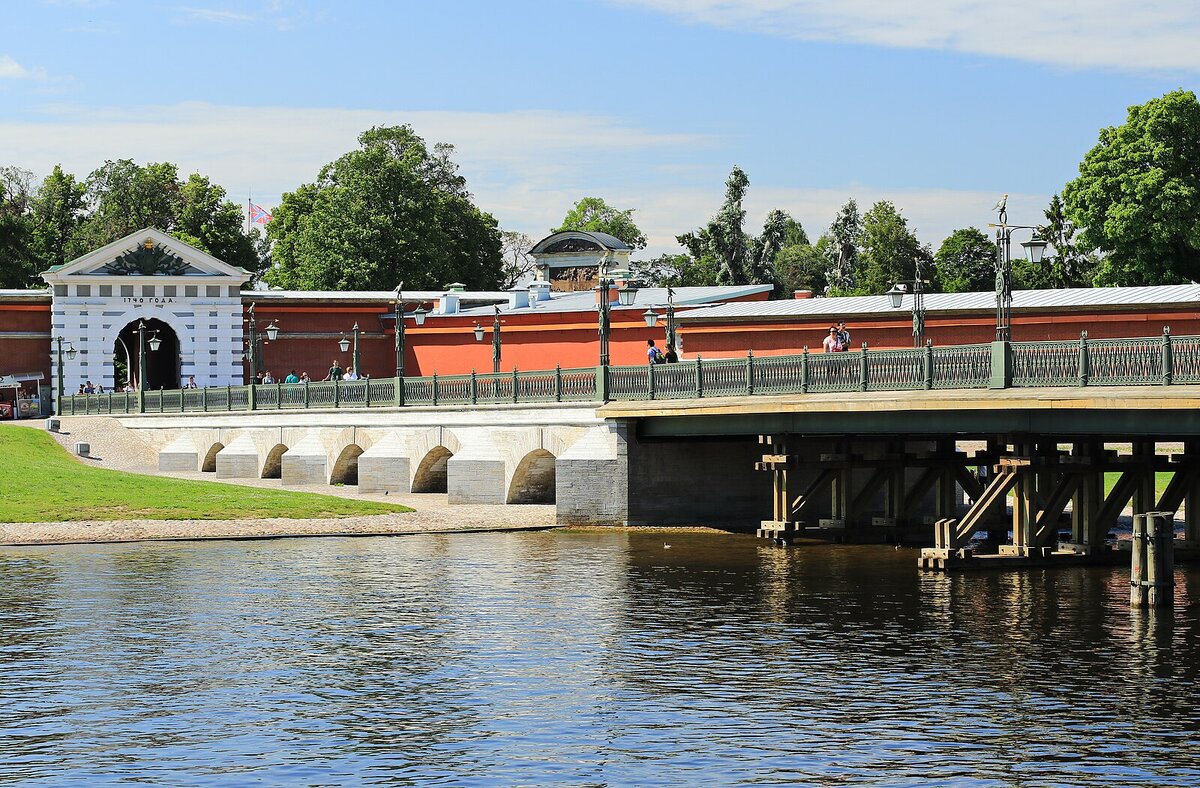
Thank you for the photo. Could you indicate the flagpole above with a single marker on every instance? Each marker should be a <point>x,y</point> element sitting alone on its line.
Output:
<point>249,211</point>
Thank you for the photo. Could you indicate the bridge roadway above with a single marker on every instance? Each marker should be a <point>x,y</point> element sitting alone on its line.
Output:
<point>1113,413</point>
<point>859,466</point>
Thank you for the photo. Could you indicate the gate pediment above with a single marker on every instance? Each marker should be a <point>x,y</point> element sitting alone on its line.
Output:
<point>146,253</point>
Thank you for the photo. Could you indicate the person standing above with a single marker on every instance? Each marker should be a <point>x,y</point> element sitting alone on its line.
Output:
<point>672,356</point>
<point>653,354</point>
<point>335,371</point>
<point>843,335</point>
<point>292,377</point>
<point>833,343</point>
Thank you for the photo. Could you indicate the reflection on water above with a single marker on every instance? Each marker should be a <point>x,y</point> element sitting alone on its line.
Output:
<point>585,659</point>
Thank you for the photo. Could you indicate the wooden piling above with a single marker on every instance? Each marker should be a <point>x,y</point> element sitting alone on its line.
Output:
<point>1137,570</point>
<point>1160,559</point>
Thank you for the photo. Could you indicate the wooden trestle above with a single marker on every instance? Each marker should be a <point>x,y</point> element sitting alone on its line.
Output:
<point>875,491</point>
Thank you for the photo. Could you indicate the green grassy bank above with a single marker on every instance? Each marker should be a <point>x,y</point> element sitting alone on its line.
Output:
<point>40,482</point>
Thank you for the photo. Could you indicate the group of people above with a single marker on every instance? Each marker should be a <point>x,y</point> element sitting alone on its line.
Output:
<point>268,377</point>
<point>838,340</point>
<point>90,388</point>
<point>656,356</point>
<point>337,373</point>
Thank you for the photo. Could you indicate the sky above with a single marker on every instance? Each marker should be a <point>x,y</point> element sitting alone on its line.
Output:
<point>940,106</point>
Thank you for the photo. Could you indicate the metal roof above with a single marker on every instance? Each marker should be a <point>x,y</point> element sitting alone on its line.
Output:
<point>585,300</point>
<point>604,239</point>
<point>1023,300</point>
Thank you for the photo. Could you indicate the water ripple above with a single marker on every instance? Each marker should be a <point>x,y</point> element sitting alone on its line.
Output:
<point>581,659</point>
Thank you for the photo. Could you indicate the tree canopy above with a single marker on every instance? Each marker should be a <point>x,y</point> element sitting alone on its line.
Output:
<point>724,247</point>
<point>966,262</point>
<point>595,215</point>
<point>890,252</point>
<point>63,217</point>
<point>390,211</point>
<point>1137,196</point>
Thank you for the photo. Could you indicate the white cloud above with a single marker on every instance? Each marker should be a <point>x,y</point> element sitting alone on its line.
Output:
<point>1121,34</point>
<point>11,69</point>
<point>527,167</point>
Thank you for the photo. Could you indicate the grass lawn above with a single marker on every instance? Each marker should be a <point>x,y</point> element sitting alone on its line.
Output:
<point>42,483</point>
<point>1161,480</point>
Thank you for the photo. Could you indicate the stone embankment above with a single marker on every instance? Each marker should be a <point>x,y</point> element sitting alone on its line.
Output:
<point>114,447</point>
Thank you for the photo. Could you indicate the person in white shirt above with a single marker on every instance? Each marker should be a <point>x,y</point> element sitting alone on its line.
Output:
<point>350,374</point>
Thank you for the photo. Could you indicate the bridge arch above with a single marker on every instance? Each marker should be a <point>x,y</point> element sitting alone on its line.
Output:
<point>345,467</point>
<point>431,473</point>
<point>533,480</point>
<point>209,465</point>
<point>273,464</point>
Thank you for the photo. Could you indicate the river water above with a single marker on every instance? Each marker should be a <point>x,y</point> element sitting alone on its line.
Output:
<point>582,659</point>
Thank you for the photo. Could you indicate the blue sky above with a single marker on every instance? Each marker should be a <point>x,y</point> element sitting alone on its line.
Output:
<point>937,105</point>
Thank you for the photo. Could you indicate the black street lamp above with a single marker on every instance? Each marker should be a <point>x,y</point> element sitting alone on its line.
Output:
<point>399,314</point>
<point>344,345</point>
<point>625,296</point>
<point>496,341</point>
<point>254,348</point>
<point>897,293</point>
<point>1035,249</point>
<point>651,316</point>
<point>71,355</point>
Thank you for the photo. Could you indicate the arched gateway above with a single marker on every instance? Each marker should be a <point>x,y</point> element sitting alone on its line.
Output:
<point>188,300</point>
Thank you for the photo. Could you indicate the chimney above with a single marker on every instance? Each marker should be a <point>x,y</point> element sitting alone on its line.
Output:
<point>613,295</point>
<point>801,294</point>
<point>518,298</point>
<point>447,304</point>
<point>539,291</point>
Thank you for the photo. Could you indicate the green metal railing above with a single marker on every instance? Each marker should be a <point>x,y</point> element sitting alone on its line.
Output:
<point>1149,361</point>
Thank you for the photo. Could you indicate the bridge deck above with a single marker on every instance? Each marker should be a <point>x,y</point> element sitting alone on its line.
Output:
<point>1117,411</point>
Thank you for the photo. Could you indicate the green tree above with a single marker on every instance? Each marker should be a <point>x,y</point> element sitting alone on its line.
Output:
<point>125,197</point>
<point>207,220</point>
<point>804,266</point>
<point>846,237</point>
<point>19,261</point>
<point>890,251</point>
<point>58,209</point>
<point>1066,265</point>
<point>595,215</point>
<point>966,262</point>
<point>518,262</point>
<point>676,270</point>
<point>389,211</point>
<point>1137,196</point>
<point>723,240</point>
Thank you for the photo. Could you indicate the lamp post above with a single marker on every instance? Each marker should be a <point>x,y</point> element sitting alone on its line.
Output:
<point>651,316</point>
<point>918,303</point>
<point>344,345</point>
<point>625,296</point>
<point>1035,249</point>
<point>71,355</point>
<point>254,351</point>
<point>399,331</point>
<point>496,341</point>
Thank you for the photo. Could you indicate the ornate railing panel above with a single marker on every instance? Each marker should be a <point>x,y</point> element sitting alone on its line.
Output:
<point>778,374</point>
<point>1045,364</point>
<point>1123,362</point>
<point>962,366</point>
<point>1185,357</point>
<point>895,370</point>
<point>834,371</point>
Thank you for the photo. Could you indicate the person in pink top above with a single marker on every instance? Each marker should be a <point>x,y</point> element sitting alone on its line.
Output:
<point>833,342</point>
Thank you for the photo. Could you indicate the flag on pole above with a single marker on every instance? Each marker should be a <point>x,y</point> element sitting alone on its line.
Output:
<point>258,214</point>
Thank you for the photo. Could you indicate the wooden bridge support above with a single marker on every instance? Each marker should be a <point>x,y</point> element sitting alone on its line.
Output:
<point>870,491</point>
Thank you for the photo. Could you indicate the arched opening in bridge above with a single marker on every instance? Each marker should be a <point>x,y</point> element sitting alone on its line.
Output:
<point>273,465</point>
<point>210,460</point>
<point>431,473</point>
<point>345,469</point>
<point>533,481</point>
<point>162,365</point>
